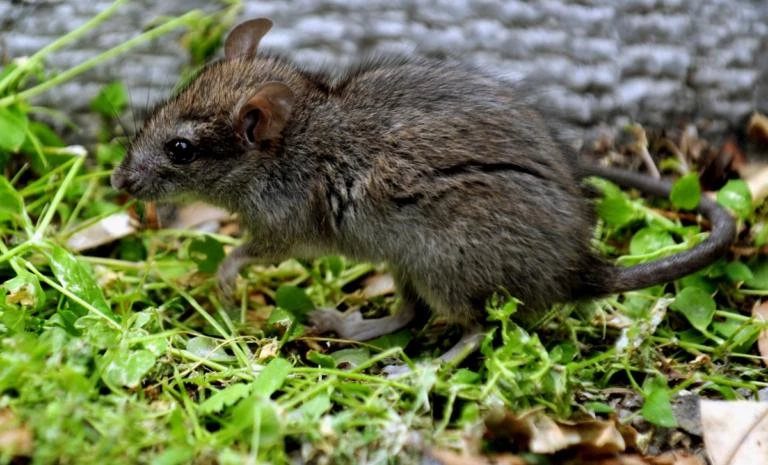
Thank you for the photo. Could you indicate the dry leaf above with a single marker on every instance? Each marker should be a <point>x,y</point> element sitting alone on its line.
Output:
<point>378,284</point>
<point>106,230</point>
<point>15,437</point>
<point>197,214</point>
<point>756,177</point>
<point>269,350</point>
<point>677,457</point>
<point>617,460</point>
<point>735,432</point>
<point>541,434</point>
<point>447,457</point>
<point>757,128</point>
<point>760,313</point>
<point>640,148</point>
<point>122,224</point>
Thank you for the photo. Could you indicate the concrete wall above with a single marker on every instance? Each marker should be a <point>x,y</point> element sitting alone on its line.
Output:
<point>656,61</point>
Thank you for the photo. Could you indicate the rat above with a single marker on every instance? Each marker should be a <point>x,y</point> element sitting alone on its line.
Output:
<point>433,166</point>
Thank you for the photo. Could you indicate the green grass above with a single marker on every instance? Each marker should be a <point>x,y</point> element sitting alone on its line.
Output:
<point>124,354</point>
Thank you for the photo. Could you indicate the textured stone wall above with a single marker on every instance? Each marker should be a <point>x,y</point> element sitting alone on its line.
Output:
<point>594,61</point>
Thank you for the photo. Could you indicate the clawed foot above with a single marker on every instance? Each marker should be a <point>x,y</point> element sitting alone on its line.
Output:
<point>468,344</point>
<point>351,325</point>
<point>227,280</point>
<point>396,371</point>
<point>344,324</point>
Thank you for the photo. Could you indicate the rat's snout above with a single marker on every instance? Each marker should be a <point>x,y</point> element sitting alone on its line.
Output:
<point>124,178</point>
<point>118,178</point>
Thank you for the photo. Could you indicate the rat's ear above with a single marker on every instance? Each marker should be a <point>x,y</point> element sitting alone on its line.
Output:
<point>244,39</point>
<point>263,116</point>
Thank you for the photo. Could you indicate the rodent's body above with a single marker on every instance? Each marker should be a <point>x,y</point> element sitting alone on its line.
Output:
<point>432,166</point>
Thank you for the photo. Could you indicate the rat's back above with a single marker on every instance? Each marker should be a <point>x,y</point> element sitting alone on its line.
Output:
<point>459,167</point>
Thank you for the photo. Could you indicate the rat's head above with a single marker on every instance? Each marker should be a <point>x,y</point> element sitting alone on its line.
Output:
<point>197,141</point>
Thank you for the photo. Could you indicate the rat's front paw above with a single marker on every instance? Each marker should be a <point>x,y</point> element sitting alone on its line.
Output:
<point>396,371</point>
<point>326,320</point>
<point>227,279</point>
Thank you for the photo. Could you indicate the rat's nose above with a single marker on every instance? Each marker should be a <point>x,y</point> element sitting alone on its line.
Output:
<point>119,179</point>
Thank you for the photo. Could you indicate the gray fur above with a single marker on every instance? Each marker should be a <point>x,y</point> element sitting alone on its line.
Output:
<point>434,167</point>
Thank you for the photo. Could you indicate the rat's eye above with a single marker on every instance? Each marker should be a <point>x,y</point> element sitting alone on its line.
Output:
<point>180,151</point>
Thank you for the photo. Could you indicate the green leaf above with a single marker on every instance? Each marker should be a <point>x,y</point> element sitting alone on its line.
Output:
<point>657,407</point>
<point>759,279</point>
<point>697,306</point>
<point>686,192</point>
<point>97,332</point>
<point>615,208</point>
<point>13,127</point>
<point>315,407</point>
<point>207,252</point>
<point>67,321</point>
<point>464,376</point>
<point>334,263</point>
<point>699,279</point>
<point>615,211</point>
<point>175,455</point>
<point>209,349</point>
<point>272,377</point>
<point>225,398</point>
<point>24,290</point>
<point>47,136</point>
<point>564,352</point>
<point>736,196</point>
<point>599,407</point>
<point>648,240</point>
<point>397,339</point>
<point>76,277</point>
<point>111,100</point>
<point>128,368</point>
<point>759,232</point>
<point>741,335</point>
<point>11,204</point>
<point>738,272</point>
<point>110,154</point>
<point>350,358</point>
<point>294,299</point>
<point>255,411</point>
<point>323,360</point>
<point>281,317</point>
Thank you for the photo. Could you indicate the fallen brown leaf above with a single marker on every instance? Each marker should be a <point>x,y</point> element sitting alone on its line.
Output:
<point>756,177</point>
<point>123,224</point>
<point>540,434</point>
<point>760,313</point>
<point>15,437</point>
<point>106,230</point>
<point>640,148</point>
<point>757,128</point>
<point>735,432</point>
<point>378,284</point>
<point>447,457</point>
<point>196,214</point>
<point>617,460</point>
<point>676,458</point>
<point>720,165</point>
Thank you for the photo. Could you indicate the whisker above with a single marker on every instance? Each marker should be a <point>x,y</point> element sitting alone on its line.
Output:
<point>132,109</point>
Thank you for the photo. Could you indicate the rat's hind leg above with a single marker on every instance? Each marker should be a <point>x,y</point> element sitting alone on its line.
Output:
<point>242,256</point>
<point>469,342</point>
<point>352,325</point>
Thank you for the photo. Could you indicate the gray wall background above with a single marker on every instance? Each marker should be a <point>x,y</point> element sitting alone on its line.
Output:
<point>660,62</point>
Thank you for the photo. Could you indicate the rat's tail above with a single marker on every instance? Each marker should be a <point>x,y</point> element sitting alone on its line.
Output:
<point>675,266</point>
